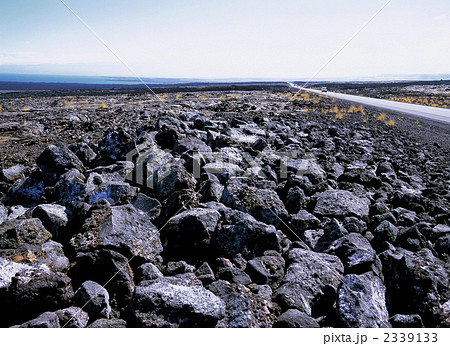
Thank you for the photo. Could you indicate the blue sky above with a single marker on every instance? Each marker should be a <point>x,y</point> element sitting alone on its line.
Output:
<point>226,39</point>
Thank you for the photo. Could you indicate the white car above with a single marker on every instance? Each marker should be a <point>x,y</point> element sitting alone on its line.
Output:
<point>324,89</point>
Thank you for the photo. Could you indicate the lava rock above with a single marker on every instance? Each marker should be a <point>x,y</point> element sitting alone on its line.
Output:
<point>266,270</point>
<point>189,232</point>
<point>263,204</point>
<point>340,204</point>
<point>416,283</point>
<point>361,302</point>
<point>406,321</point>
<point>94,299</point>
<point>111,323</point>
<point>57,159</point>
<point>356,254</point>
<point>54,217</point>
<point>241,233</point>
<point>45,320</point>
<point>295,319</point>
<point>72,317</point>
<point>317,274</point>
<point>122,228</point>
<point>164,304</point>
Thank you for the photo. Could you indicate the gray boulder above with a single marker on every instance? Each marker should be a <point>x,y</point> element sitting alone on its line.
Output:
<point>122,228</point>
<point>70,187</point>
<point>189,231</point>
<point>53,256</point>
<point>295,319</point>
<point>164,304</point>
<point>241,233</point>
<point>266,270</point>
<point>356,254</point>
<point>45,320</point>
<point>148,205</point>
<point>317,275</point>
<point>57,159</point>
<point>303,221</point>
<point>244,308</point>
<point>361,302</point>
<point>340,204</point>
<point>94,299</point>
<point>263,204</point>
<point>54,217</point>
<point>416,283</point>
<point>72,317</point>
<point>108,323</point>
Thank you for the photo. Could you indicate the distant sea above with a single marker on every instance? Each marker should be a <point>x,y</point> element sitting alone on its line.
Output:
<point>43,78</point>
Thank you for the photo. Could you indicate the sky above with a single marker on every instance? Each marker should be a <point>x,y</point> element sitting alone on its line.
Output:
<point>286,39</point>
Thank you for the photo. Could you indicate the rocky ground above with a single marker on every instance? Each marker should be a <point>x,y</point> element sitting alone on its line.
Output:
<point>255,211</point>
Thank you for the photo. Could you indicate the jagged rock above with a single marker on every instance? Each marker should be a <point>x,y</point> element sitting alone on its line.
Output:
<point>123,228</point>
<point>340,204</point>
<point>189,232</point>
<point>105,323</point>
<point>295,319</point>
<point>27,191</point>
<point>13,173</point>
<point>70,187</point>
<point>72,317</point>
<point>148,205</point>
<point>361,176</point>
<point>267,269</point>
<point>34,290</point>
<point>317,275</point>
<point>356,254</point>
<point>412,239</point>
<point>243,308</point>
<point>263,204</point>
<point>211,189</point>
<point>94,299</point>
<point>172,178</point>
<point>226,270</point>
<point>295,200</point>
<point>106,266</point>
<point>57,159</point>
<point>205,274</point>
<point>147,271</point>
<point>45,320</point>
<point>84,152</point>
<point>385,232</point>
<point>17,232</point>
<point>179,267</point>
<point>292,295</point>
<point>114,146</point>
<point>406,321</point>
<point>332,230</point>
<point>53,256</point>
<point>3,214</point>
<point>54,217</point>
<point>361,302</point>
<point>241,233</point>
<point>303,221</point>
<point>416,283</point>
<point>164,304</point>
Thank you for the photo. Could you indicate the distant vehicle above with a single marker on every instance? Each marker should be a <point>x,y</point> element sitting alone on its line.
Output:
<point>324,89</point>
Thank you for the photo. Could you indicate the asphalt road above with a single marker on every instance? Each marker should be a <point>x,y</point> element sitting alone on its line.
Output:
<point>433,113</point>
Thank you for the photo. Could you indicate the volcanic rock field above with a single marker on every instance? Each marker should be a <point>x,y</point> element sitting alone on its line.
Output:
<point>221,209</point>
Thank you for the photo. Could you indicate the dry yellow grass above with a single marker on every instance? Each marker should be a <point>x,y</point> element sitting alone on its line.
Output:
<point>382,117</point>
